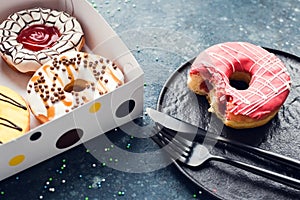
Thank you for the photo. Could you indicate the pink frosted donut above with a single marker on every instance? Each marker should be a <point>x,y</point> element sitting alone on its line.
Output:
<point>267,77</point>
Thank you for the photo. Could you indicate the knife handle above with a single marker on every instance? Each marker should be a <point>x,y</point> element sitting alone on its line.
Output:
<point>275,157</point>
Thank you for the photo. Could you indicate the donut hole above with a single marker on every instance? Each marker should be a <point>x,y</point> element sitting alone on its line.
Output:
<point>77,85</point>
<point>240,80</point>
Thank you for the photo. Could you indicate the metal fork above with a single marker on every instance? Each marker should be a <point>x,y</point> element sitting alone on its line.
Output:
<point>194,154</point>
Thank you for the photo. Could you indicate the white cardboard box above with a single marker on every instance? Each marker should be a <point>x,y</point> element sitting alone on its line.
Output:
<point>84,123</point>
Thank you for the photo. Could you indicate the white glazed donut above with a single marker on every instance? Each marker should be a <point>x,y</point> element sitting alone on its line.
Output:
<point>30,38</point>
<point>70,80</point>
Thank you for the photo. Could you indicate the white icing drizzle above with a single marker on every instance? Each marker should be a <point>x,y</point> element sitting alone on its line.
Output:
<point>223,59</point>
<point>25,60</point>
<point>269,77</point>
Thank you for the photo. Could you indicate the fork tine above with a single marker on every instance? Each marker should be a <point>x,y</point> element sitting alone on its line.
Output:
<point>164,143</point>
<point>181,143</point>
<point>180,148</point>
<point>170,148</point>
<point>172,135</point>
<point>184,138</point>
<point>174,155</point>
<point>177,137</point>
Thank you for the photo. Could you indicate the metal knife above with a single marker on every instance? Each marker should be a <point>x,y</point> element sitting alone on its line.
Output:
<point>173,124</point>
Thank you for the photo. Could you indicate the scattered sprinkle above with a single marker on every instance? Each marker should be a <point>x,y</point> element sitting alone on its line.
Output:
<point>63,167</point>
<point>99,184</point>
<point>94,4</point>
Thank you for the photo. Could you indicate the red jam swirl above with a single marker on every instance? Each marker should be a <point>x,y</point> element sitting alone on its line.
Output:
<point>38,37</point>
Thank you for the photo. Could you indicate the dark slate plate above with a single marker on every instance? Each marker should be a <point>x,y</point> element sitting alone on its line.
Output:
<point>280,135</point>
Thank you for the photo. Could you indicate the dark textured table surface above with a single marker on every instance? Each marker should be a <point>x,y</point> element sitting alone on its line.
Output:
<point>162,35</point>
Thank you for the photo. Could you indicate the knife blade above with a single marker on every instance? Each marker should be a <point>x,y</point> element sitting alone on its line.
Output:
<point>191,131</point>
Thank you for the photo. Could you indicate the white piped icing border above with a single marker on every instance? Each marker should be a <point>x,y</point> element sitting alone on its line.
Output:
<point>24,60</point>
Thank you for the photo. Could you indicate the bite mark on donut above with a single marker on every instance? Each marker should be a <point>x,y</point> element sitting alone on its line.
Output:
<point>206,86</point>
